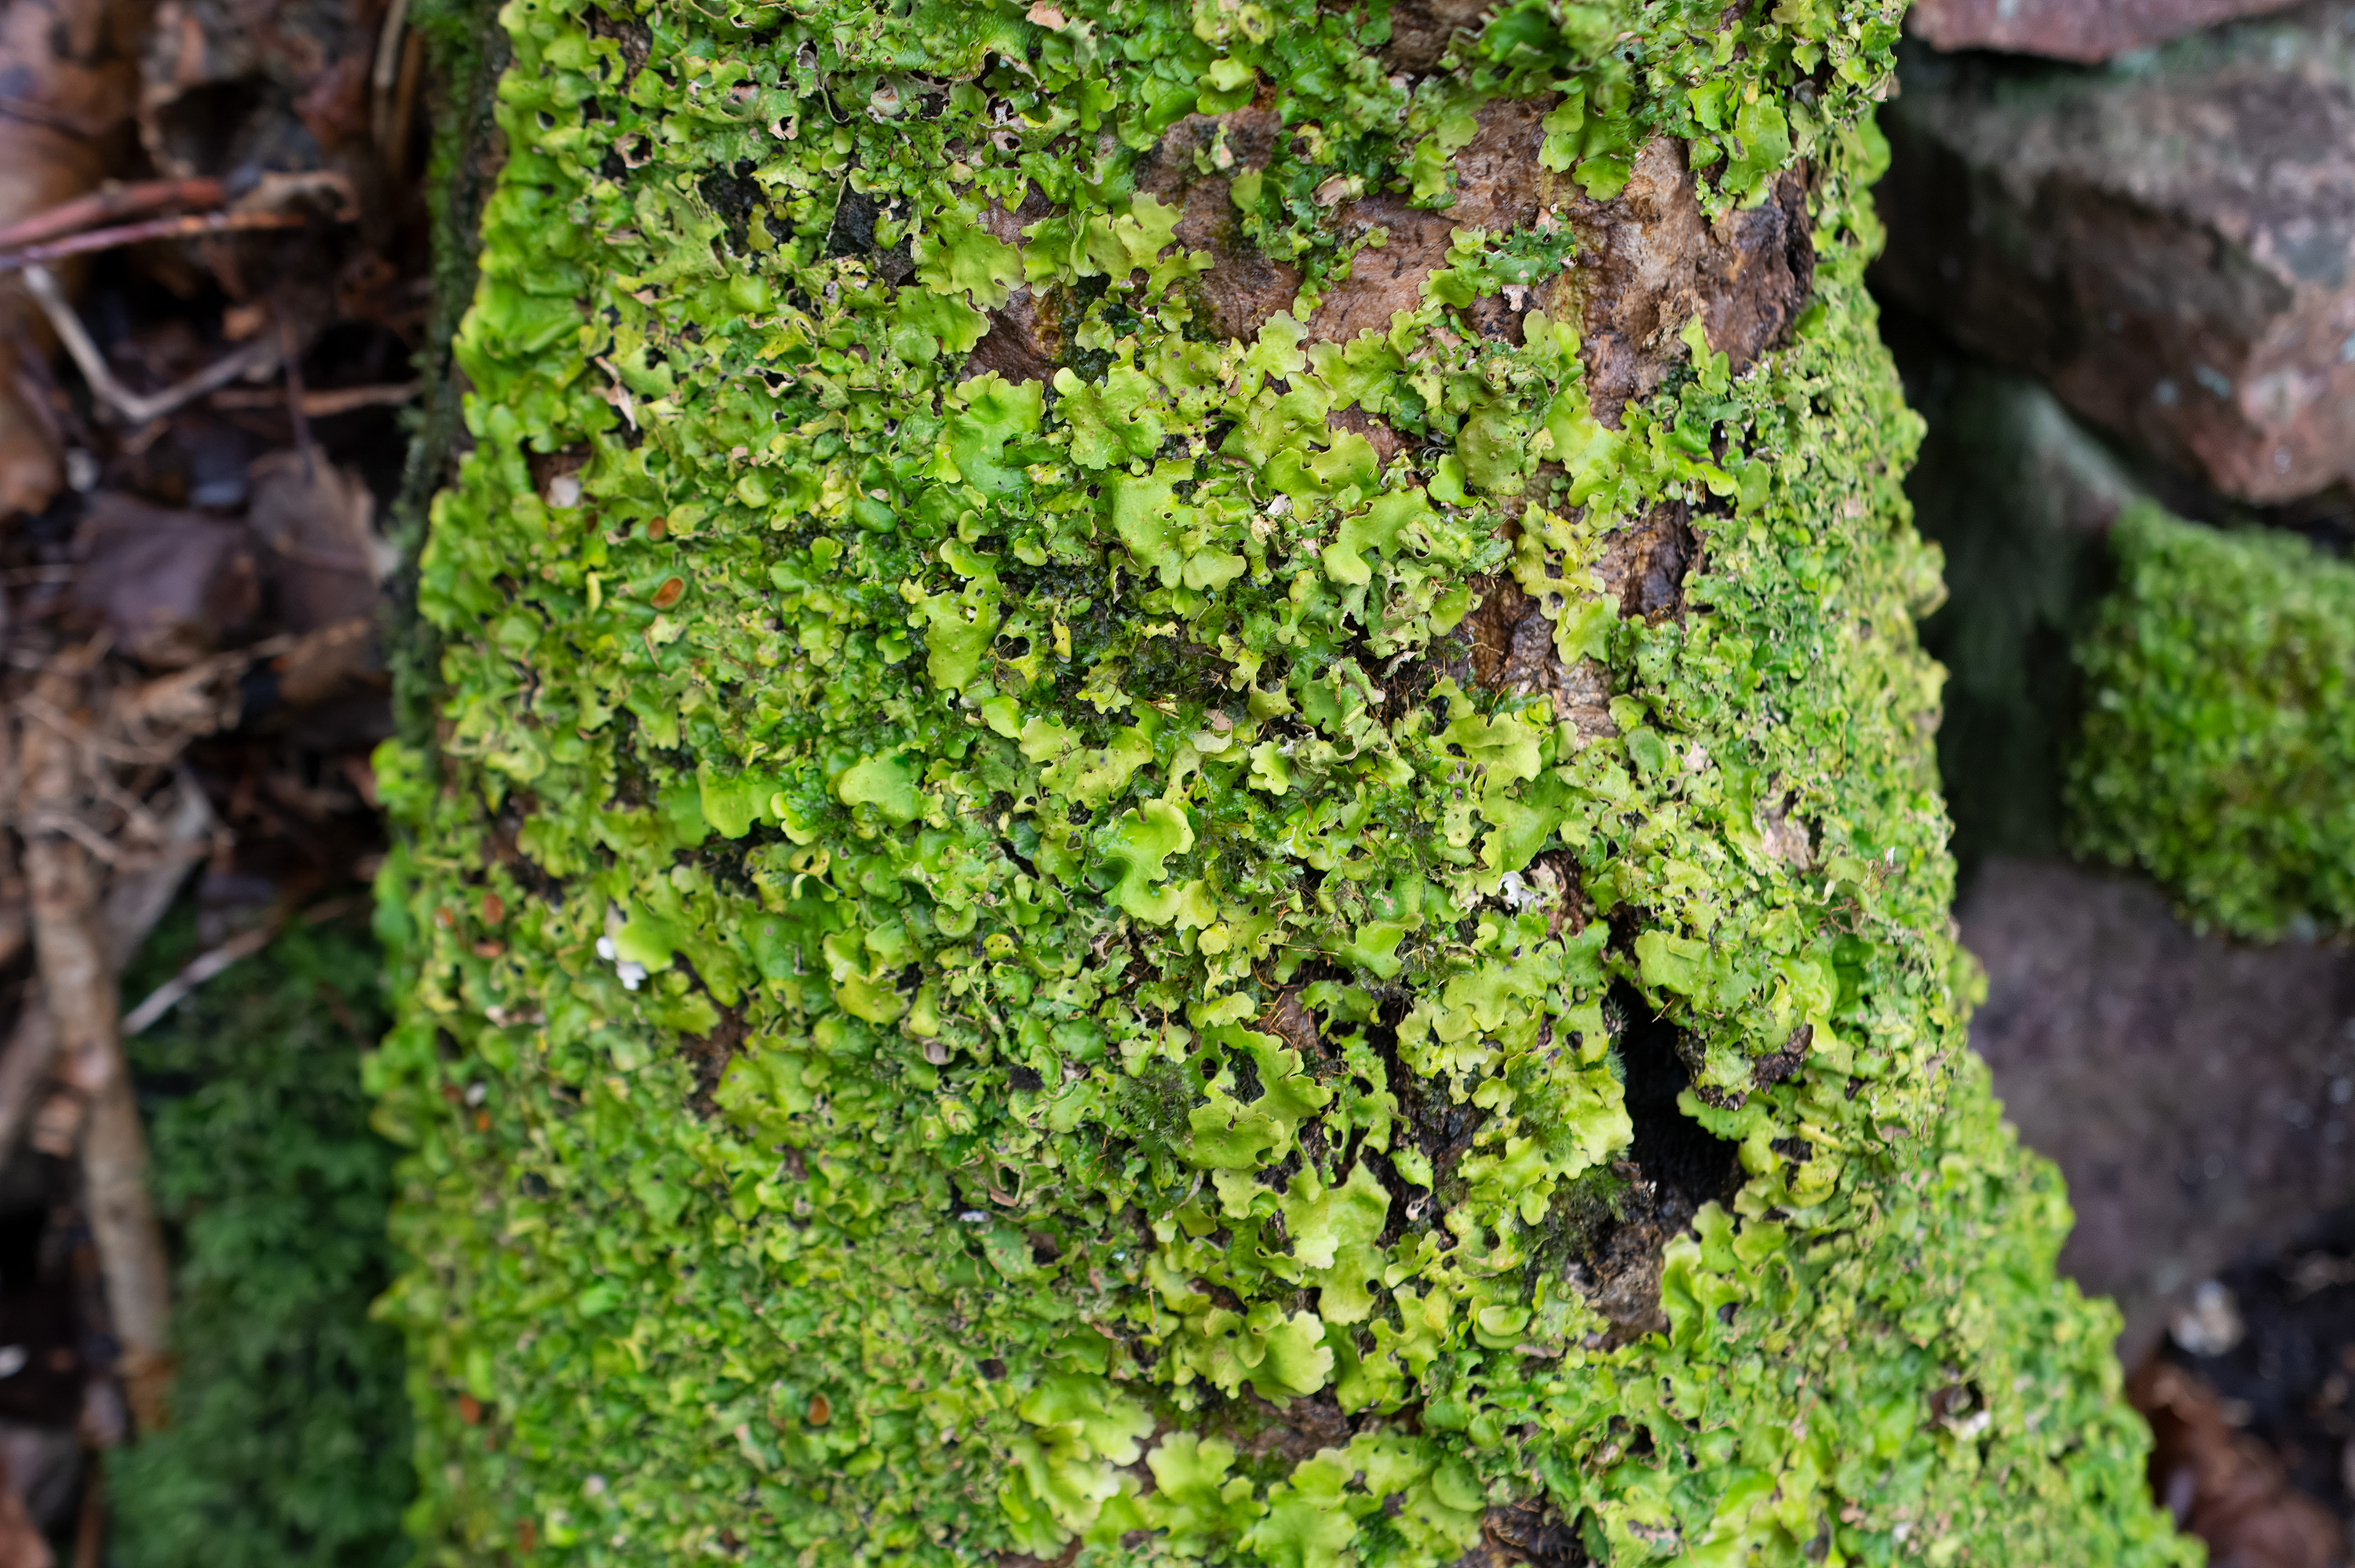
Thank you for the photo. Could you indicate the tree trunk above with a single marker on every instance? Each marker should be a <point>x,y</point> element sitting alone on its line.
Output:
<point>1182,811</point>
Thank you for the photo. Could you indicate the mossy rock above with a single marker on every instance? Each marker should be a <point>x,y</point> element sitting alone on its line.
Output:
<point>2218,749</point>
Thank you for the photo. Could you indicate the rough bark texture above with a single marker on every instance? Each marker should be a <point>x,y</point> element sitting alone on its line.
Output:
<point>2170,249</point>
<point>1181,811</point>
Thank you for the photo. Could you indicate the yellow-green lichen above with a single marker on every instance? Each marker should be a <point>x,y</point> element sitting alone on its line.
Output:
<point>2217,749</point>
<point>981,978</point>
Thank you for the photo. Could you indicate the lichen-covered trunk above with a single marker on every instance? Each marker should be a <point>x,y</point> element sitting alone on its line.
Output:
<point>1183,811</point>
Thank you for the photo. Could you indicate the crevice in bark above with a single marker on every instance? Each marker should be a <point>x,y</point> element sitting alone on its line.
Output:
<point>707,1057</point>
<point>1528,1532</point>
<point>1673,1166</point>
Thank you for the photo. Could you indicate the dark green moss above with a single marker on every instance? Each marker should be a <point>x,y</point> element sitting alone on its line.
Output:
<point>289,1446</point>
<point>2219,742</point>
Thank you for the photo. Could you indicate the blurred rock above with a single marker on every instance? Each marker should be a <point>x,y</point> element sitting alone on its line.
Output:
<point>2195,1092</point>
<point>172,585</point>
<point>2087,31</point>
<point>2018,496</point>
<point>2168,243</point>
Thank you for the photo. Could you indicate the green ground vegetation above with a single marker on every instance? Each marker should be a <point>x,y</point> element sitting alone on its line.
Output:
<point>290,1438</point>
<point>883,830</point>
<point>2218,749</point>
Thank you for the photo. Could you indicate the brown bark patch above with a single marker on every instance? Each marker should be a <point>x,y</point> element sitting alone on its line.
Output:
<point>1297,1429</point>
<point>1787,837</point>
<point>1192,168</point>
<point>1525,1532</point>
<point>1499,186</point>
<point>1622,1281</point>
<point>1650,260</point>
<point>1024,340</point>
<point>1643,565</point>
<point>1513,650</point>
<point>1421,30</point>
<point>1387,443</point>
<point>1289,1021</point>
<point>709,1055</point>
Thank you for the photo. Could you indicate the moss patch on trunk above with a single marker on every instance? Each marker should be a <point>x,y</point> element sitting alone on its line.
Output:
<point>1105,878</point>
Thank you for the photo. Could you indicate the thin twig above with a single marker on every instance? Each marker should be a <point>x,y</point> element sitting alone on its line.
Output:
<point>290,354</point>
<point>185,226</point>
<point>384,72</point>
<point>106,205</point>
<point>137,409</point>
<point>318,403</point>
<point>135,903</point>
<point>200,968</point>
<point>205,966</point>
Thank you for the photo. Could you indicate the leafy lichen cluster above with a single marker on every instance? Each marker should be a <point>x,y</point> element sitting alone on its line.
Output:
<point>983,972</point>
<point>2218,736</point>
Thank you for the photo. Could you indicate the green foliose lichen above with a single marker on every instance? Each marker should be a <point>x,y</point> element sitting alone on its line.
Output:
<point>2217,749</point>
<point>980,977</point>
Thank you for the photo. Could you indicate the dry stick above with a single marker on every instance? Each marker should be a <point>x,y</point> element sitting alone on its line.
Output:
<point>90,1529</point>
<point>135,904</point>
<point>205,966</point>
<point>202,968</point>
<point>106,205</point>
<point>319,403</point>
<point>43,286</point>
<point>291,354</point>
<point>187,226</point>
<point>404,103</point>
<point>384,72</point>
<point>78,984</point>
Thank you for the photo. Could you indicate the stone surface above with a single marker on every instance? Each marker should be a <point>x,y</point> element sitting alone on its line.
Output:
<point>2169,244</point>
<point>2199,1095</point>
<point>2020,496</point>
<point>2087,31</point>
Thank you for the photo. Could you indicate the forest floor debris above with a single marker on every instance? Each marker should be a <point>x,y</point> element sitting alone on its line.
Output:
<point>214,279</point>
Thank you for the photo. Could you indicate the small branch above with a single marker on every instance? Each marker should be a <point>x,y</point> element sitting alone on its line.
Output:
<point>43,286</point>
<point>384,71</point>
<point>320,403</point>
<point>185,226</point>
<point>135,903</point>
<point>107,206</point>
<point>200,968</point>
<point>77,983</point>
<point>205,966</point>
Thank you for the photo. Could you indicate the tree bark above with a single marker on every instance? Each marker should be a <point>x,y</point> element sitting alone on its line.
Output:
<point>1180,809</point>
